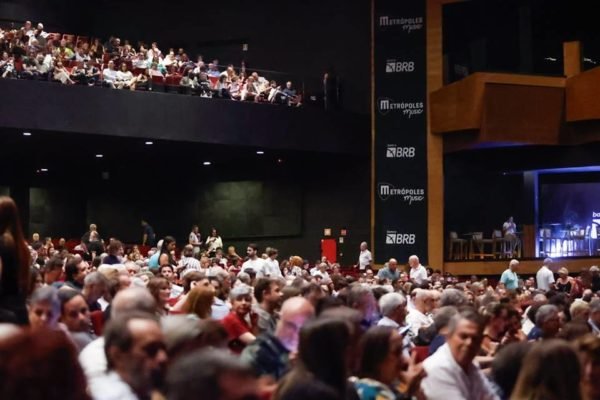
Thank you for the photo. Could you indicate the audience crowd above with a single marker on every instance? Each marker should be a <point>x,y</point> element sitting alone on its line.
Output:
<point>202,323</point>
<point>32,53</point>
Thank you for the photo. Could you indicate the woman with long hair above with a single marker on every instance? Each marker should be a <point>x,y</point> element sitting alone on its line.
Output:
<point>199,302</point>
<point>551,371</point>
<point>328,336</point>
<point>160,289</point>
<point>213,242</point>
<point>166,256</point>
<point>14,265</point>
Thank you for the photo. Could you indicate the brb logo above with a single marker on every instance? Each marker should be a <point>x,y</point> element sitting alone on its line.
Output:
<point>393,65</point>
<point>394,151</point>
<point>387,190</point>
<point>393,237</point>
<point>408,109</point>
<point>408,24</point>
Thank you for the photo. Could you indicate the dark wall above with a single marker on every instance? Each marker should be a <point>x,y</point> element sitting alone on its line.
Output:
<point>289,215</point>
<point>101,111</point>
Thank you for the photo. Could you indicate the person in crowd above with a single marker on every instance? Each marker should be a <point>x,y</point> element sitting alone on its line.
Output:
<point>254,262</point>
<point>267,293</point>
<point>506,366</point>
<point>450,371</point>
<point>588,348</point>
<point>166,252</point>
<point>321,271</point>
<point>509,277</point>
<point>419,316</point>
<point>382,365</point>
<point>195,239</point>
<point>14,265</point>
<point>95,285</point>
<point>564,283</point>
<point>109,75</point>
<point>221,283</point>
<point>551,370</point>
<point>124,78</point>
<point>53,269</point>
<point>547,323</point>
<point>390,272</point>
<point>136,355</point>
<point>495,328</point>
<point>43,308</point>
<point>269,353</point>
<point>360,297</point>
<point>168,272</point>
<point>418,273</point>
<point>76,269</point>
<point>544,276</point>
<point>240,332</point>
<point>594,318</point>
<point>115,253</point>
<point>329,336</point>
<point>212,374</point>
<point>190,280</point>
<point>75,316</point>
<point>199,302</point>
<point>149,237</point>
<point>160,289</point>
<point>40,364</point>
<point>213,242</point>
<point>272,269</point>
<point>365,258</point>
<point>392,307</point>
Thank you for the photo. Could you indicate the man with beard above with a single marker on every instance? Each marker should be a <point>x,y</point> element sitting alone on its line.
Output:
<point>268,297</point>
<point>136,354</point>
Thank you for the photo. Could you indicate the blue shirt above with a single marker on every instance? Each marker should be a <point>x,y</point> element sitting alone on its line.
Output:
<point>153,261</point>
<point>387,273</point>
<point>510,279</point>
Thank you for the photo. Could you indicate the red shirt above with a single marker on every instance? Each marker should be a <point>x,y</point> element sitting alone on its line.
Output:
<point>235,327</point>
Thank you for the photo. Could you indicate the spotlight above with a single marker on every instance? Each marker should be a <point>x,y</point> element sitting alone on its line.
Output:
<point>206,163</point>
<point>99,155</point>
<point>149,143</point>
<point>260,152</point>
<point>26,133</point>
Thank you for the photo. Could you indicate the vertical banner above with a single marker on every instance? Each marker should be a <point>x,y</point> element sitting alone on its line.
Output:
<point>400,130</point>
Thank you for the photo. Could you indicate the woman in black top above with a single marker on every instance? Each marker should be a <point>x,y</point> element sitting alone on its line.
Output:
<point>14,265</point>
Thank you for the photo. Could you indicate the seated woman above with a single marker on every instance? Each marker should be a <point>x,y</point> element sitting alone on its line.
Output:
<point>125,79</point>
<point>239,331</point>
<point>199,302</point>
<point>382,364</point>
<point>160,289</point>
<point>61,74</point>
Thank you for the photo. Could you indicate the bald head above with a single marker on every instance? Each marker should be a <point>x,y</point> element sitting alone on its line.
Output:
<point>413,261</point>
<point>392,264</point>
<point>133,299</point>
<point>295,311</point>
<point>363,246</point>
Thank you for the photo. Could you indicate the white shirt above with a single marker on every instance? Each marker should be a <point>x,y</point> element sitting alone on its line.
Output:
<point>93,360</point>
<point>544,278</point>
<point>194,239</point>
<point>317,271</point>
<point>257,265</point>
<point>272,268</point>
<point>124,76</point>
<point>110,75</point>
<point>364,259</point>
<point>214,243</point>
<point>447,380</point>
<point>418,274</point>
<point>111,387</point>
<point>190,263</point>
<point>417,320</point>
<point>509,228</point>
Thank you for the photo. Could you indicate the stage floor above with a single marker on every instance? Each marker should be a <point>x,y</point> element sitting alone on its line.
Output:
<point>526,267</point>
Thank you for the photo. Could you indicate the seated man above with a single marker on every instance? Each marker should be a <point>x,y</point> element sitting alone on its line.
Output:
<point>110,75</point>
<point>451,373</point>
<point>268,354</point>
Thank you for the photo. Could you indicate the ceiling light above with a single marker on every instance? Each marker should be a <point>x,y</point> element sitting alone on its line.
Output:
<point>99,155</point>
<point>206,163</point>
<point>26,133</point>
<point>260,152</point>
<point>44,169</point>
<point>149,143</point>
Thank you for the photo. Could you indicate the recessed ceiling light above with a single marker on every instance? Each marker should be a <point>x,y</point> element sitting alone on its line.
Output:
<point>44,169</point>
<point>260,152</point>
<point>99,155</point>
<point>26,133</point>
<point>149,143</point>
<point>206,163</point>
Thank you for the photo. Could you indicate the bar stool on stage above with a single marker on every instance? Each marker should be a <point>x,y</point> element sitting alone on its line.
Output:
<point>500,246</point>
<point>454,244</point>
<point>478,246</point>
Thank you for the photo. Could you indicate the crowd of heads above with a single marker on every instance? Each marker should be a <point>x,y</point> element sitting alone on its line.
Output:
<point>29,52</point>
<point>258,326</point>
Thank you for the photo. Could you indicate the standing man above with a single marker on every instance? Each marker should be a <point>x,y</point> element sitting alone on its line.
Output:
<point>272,265</point>
<point>195,239</point>
<point>545,277</point>
<point>418,273</point>
<point>254,261</point>
<point>509,276</point>
<point>149,237</point>
<point>364,259</point>
<point>86,236</point>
